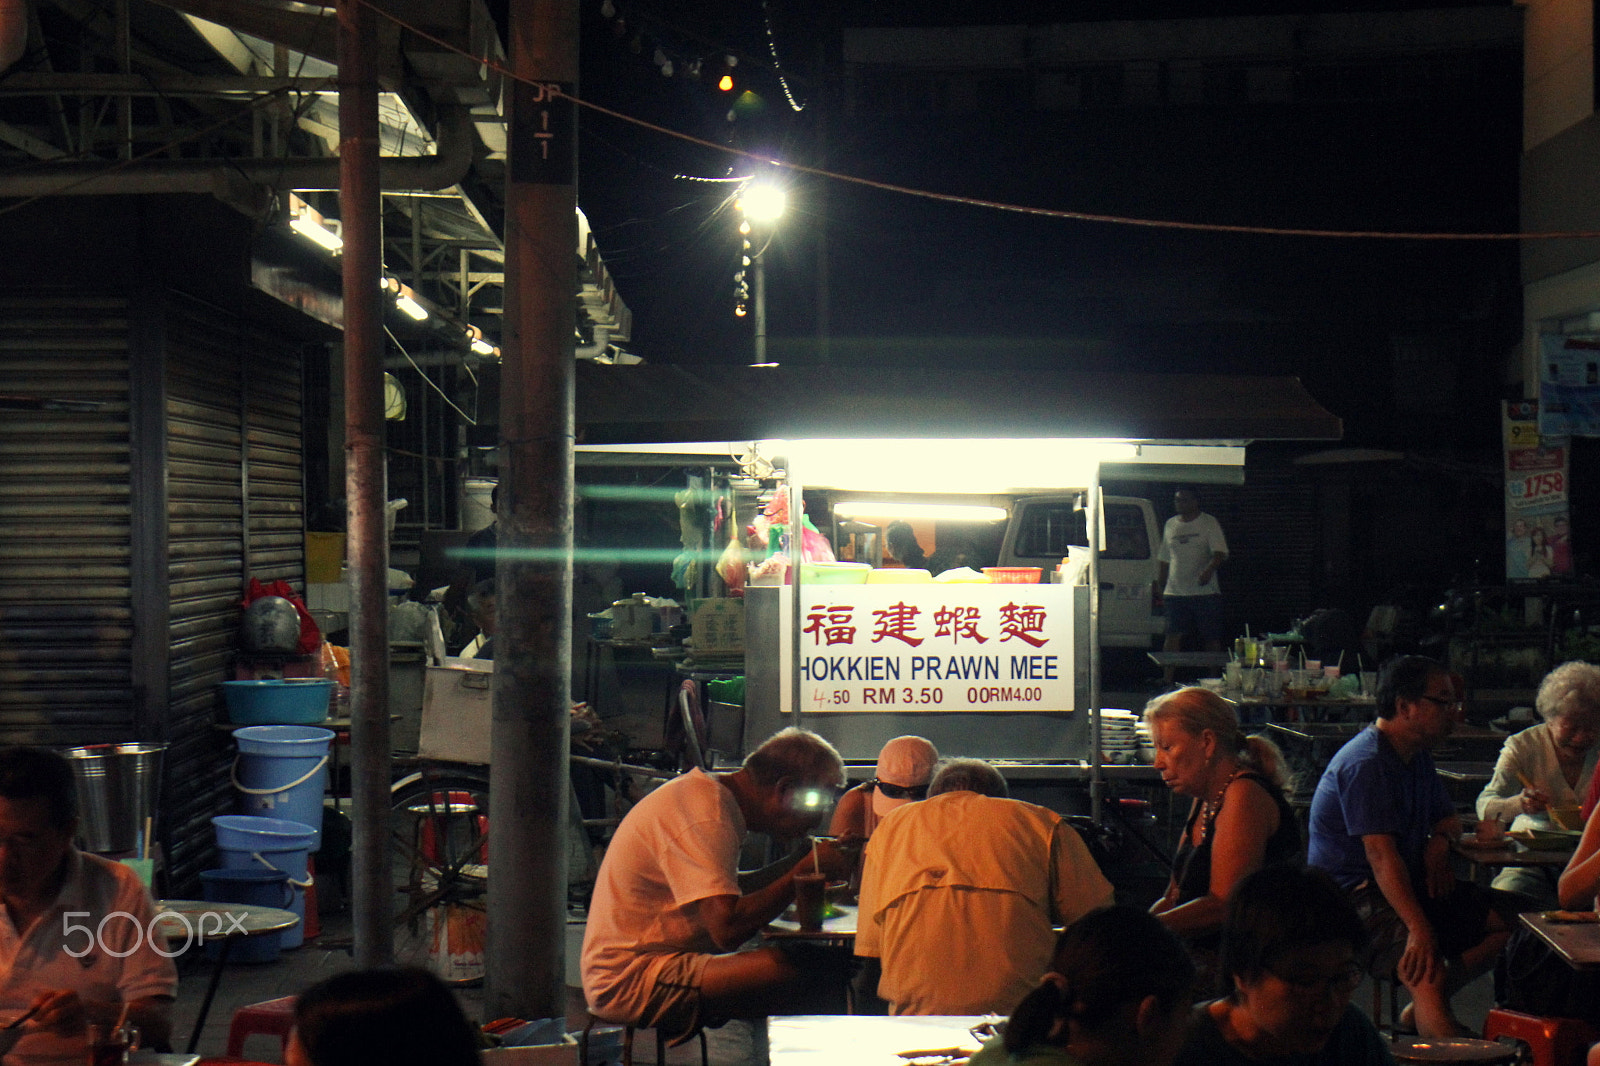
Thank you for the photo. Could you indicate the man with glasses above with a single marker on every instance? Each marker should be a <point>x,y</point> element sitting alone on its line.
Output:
<point>905,765</point>
<point>1382,824</point>
<point>960,894</point>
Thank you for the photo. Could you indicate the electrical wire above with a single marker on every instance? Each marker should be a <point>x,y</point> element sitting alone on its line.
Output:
<point>448,401</point>
<point>995,205</point>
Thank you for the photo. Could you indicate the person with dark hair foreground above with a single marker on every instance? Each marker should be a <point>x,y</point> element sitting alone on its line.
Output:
<point>668,914</point>
<point>1289,954</point>
<point>400,1017</point>
<point>58,953</point>
<point>1117,993</point>
<point>1382,824</point>
<point>959,894</point>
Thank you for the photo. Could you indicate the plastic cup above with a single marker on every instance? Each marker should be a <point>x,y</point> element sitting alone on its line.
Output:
<point>810,899</point>
<point>1314,666</point>
<point>1369,682</point>
<point>1331,673</point>
<point>108,1045</point>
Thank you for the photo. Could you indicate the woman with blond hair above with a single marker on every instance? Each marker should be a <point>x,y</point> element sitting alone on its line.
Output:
<point>1239,820</point>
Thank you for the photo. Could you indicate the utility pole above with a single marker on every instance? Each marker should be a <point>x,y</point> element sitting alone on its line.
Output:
<point>528,772</point>
<point>366,487</point>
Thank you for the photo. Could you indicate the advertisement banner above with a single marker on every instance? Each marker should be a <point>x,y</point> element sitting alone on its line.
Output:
<point>1538,529</point>
<point>1569,386</point>
<point>930,648</point>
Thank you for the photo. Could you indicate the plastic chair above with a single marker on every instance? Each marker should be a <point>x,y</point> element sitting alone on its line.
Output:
<point>1551,1041</point>
<point>627,1042</point>
<point>270,1017</point>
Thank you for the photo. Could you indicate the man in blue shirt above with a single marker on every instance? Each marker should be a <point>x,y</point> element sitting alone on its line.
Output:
<point>1382,824</point>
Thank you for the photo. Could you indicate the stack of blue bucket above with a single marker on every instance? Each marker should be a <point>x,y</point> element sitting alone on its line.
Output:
<point>280,776</point>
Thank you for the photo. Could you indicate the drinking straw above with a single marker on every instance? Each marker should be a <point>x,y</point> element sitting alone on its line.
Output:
<point>144,844</point>
<point>122,1015</point>
<point>1340,664</point>
<point>816,860</point>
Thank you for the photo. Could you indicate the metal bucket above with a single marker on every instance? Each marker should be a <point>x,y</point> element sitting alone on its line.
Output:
<point>119,787</point>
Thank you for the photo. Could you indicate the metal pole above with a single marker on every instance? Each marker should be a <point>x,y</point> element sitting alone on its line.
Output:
<point>366,491</point>
<point>1096,773</point>
<point>528,778</point>
<point>759,263</point>
<point>797,610</point>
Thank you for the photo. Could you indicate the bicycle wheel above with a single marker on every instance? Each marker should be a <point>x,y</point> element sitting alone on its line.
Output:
<point>439,837</point>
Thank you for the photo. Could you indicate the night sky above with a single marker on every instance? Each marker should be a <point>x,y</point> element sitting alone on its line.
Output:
<point>920,282</point>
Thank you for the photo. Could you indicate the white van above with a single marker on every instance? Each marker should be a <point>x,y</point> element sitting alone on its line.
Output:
<point>1042,527</point>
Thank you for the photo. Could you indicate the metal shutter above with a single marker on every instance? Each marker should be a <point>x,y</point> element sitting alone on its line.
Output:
<point>235,508</point>
<point>66,617</point>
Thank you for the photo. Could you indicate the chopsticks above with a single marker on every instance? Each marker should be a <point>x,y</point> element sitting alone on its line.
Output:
<point>24,1016</point>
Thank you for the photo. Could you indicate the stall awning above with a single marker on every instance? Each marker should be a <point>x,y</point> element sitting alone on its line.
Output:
<point>649,404</point>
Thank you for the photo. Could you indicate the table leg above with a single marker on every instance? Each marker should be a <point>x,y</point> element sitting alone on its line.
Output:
<point>211,993</point>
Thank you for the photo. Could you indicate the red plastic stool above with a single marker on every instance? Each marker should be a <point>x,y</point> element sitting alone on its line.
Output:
<point>270,1017</point>
<point>1553,1041</point>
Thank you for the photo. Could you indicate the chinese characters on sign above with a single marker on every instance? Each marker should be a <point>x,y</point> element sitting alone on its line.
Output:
<point>888,648</point>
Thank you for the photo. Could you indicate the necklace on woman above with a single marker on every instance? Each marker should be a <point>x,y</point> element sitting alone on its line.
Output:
<point>1209,809</point>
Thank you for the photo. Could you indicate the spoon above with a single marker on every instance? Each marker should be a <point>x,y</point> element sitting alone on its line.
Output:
<point>19,1019</point>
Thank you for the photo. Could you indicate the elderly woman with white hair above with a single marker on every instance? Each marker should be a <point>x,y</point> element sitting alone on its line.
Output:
<point>1547,765</point>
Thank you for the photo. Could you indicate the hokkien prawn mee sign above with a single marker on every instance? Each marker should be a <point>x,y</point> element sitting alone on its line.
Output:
<point>929,648</point>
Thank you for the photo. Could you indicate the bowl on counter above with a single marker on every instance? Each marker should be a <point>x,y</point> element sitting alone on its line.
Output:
<point>1013,575</point>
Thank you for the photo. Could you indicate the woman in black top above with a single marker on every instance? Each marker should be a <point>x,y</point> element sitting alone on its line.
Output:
<point>1239,821</point>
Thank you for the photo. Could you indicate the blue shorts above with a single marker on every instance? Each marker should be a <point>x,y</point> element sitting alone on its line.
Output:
<point>1196,616</point>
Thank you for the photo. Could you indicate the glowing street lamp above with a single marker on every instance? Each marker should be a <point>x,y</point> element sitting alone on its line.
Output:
<point>762,204</point>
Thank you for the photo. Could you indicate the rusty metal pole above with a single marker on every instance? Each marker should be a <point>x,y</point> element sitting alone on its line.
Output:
<point>528,775</point>
<point>366,490</point>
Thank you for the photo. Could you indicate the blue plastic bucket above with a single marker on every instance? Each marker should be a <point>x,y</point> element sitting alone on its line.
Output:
<point>281,772</point>
<point>264,888</point>
<point>245,842</point>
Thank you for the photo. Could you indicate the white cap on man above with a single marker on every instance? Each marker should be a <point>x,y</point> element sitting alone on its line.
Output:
<point>905,765</point>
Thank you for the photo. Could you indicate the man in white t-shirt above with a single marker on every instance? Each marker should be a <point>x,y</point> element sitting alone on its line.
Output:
<point>73,940</point>
<point>668,914</point>
<point>1193,549</point>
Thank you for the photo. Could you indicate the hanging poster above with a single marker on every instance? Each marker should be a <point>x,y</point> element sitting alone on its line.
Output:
<point>1538,529</point>
<point>1569,386</point>
<point>935,647</point>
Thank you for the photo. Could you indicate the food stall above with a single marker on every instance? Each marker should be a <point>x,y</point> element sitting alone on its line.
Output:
<point>1005,672</point>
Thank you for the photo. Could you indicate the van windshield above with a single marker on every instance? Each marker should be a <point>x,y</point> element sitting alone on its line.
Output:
<point>1047,531</point>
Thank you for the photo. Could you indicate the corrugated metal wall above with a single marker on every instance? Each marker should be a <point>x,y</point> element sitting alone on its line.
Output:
<point>66,618</point>
<point>129,527</point>
<point>235,511</point>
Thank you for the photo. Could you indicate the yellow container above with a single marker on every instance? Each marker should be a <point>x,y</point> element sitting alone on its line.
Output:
<point>902,576</point>
<point>324,557</point>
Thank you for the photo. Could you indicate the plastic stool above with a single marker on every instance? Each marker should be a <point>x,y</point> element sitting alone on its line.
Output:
<point>1553,1041</point>
<point>270,1017</point>
<point>627,1042</point>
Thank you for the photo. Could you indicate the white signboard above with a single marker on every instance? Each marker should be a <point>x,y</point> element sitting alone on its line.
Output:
<point>923,648</point>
